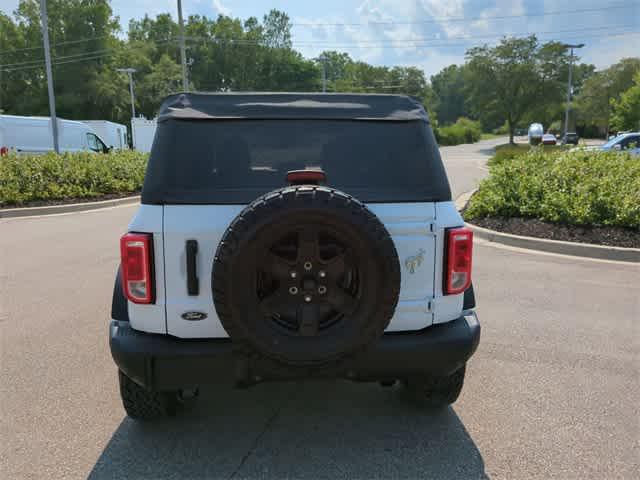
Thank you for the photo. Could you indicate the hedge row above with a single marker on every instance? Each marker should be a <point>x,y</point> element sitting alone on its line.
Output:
<point>463,131</point>
<point>25,179</point>
<point>575,187</point>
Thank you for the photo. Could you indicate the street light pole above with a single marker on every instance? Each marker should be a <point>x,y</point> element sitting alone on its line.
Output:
<point>183,53</point>
<point>323,60</point>
<point>130,72</point>
<point>47,61</point>
<point>569,86</point>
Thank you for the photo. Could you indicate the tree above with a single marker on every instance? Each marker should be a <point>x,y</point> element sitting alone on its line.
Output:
<point>277,29</point>
<point>626,110</point>
<point>165,78</point>
<point>449,89</point>
<point>12,83</point>
<point>84,75</point>
<point>512,78</point>
<point>594,101</point>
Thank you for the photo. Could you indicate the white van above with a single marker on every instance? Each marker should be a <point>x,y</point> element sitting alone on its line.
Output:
<point>143,132</point>
<point>33,135</point>
<point>536,130</point>
<point>113,134</point>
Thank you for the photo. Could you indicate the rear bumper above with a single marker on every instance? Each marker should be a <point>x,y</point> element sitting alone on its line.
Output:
<point>162,362</point>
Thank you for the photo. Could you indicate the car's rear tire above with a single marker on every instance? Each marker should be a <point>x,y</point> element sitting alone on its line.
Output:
<point>143,404</point>
<point>436,391</point>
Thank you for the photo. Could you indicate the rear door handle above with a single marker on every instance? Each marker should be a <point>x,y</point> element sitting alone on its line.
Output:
<point>193,287</point>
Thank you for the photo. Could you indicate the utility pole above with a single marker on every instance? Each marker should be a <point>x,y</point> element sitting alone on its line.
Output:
<point>130,72</point>
<point>569,86</point>
<point>183,53</point>
<point>324,73</point>
<point>47,61</point>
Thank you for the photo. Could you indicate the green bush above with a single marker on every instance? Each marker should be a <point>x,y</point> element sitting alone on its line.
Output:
<point>574,187</point>
<point>463,131</point>
<point>509,151</point>
<point>31,178</point>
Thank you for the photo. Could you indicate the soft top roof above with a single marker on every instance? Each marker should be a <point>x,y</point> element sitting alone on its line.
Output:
<point>325,106</point>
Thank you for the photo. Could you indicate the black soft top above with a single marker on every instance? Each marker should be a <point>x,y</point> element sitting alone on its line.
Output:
<point>293,106</point>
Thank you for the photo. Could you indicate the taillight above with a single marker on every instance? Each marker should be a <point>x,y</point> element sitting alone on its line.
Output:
<point>4,150</point>
<point>459,254</point>
<point>306,177</point>
<point>136,256</point>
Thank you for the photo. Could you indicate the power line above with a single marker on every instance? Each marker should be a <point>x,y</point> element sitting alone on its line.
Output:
<point>68,42</point>
<point>443,44</point>
<point>461,19</point>
<point>390,22</point>
<point>425,41</point>
<point>472,37</point>
<point>106,51</point>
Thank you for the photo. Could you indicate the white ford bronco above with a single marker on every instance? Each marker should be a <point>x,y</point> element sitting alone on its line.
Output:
<point>292,236</point>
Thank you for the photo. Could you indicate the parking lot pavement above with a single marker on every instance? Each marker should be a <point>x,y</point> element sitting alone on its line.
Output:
<point>551,393</point>
<point>466,164</point>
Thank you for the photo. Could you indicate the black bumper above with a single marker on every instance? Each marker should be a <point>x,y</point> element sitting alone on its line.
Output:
<point>162,362</point>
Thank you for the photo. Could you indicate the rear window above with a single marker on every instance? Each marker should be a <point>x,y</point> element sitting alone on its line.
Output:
<point>234,162</point>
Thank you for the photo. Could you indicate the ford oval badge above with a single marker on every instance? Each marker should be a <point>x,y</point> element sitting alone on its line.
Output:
<point>194,316</point>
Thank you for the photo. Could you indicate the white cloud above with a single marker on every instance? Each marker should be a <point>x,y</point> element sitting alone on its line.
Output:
<point>501,8</point>
<point>611,50</point>
<point>449,8</point>
<point>432,61</point>
<point>220,8</point>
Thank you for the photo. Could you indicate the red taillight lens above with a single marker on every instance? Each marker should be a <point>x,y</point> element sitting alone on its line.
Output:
<point>136,257</point>
<point>459,255</point>
<point>4,151</point>
<point>301,177</point>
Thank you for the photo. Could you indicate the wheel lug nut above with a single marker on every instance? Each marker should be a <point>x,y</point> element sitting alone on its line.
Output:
<point>294,274</point>
<point>322,274</point>
<point>322,289</point>
<point>307,298</point>
<point>293,290</point>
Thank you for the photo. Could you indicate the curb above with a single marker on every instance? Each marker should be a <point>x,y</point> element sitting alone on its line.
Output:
<point>573,249</point>
<point>601,252</point>
<point>72,207</point>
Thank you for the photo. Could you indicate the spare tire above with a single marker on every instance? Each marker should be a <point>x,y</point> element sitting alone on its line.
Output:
<point>305,275</point>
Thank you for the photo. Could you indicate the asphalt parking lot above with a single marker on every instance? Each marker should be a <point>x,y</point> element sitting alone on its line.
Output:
<point>551,393</point>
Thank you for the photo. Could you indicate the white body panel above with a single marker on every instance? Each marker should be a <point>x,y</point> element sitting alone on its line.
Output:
<point>112,134</point>
<point>33,135</point>
<point>417,229</point>
<point>143,132</point>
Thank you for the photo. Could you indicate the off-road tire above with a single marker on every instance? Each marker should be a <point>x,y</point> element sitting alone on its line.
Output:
<point>436,392</point>
<point>280,206</point>
<point>142,404</point>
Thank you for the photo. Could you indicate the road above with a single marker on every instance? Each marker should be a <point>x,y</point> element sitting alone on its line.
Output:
<point>551,393</point>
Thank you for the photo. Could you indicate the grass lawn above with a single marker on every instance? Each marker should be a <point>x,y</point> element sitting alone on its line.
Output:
<point>489,136</point>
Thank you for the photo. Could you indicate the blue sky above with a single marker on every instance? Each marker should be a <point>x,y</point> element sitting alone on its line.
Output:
<point>426,33</point>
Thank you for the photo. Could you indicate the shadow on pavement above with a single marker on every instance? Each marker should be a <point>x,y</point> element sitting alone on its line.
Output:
<point>328,429</point>
<point>487,151</point>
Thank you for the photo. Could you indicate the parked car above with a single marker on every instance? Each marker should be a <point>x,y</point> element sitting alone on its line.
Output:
<point>33,135</point>
<point>549,139</point>
<point>289,236</point>
<point>570,138</point>
<point>623,142</point>
<point>535,133</point>
<point>113,134</point>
